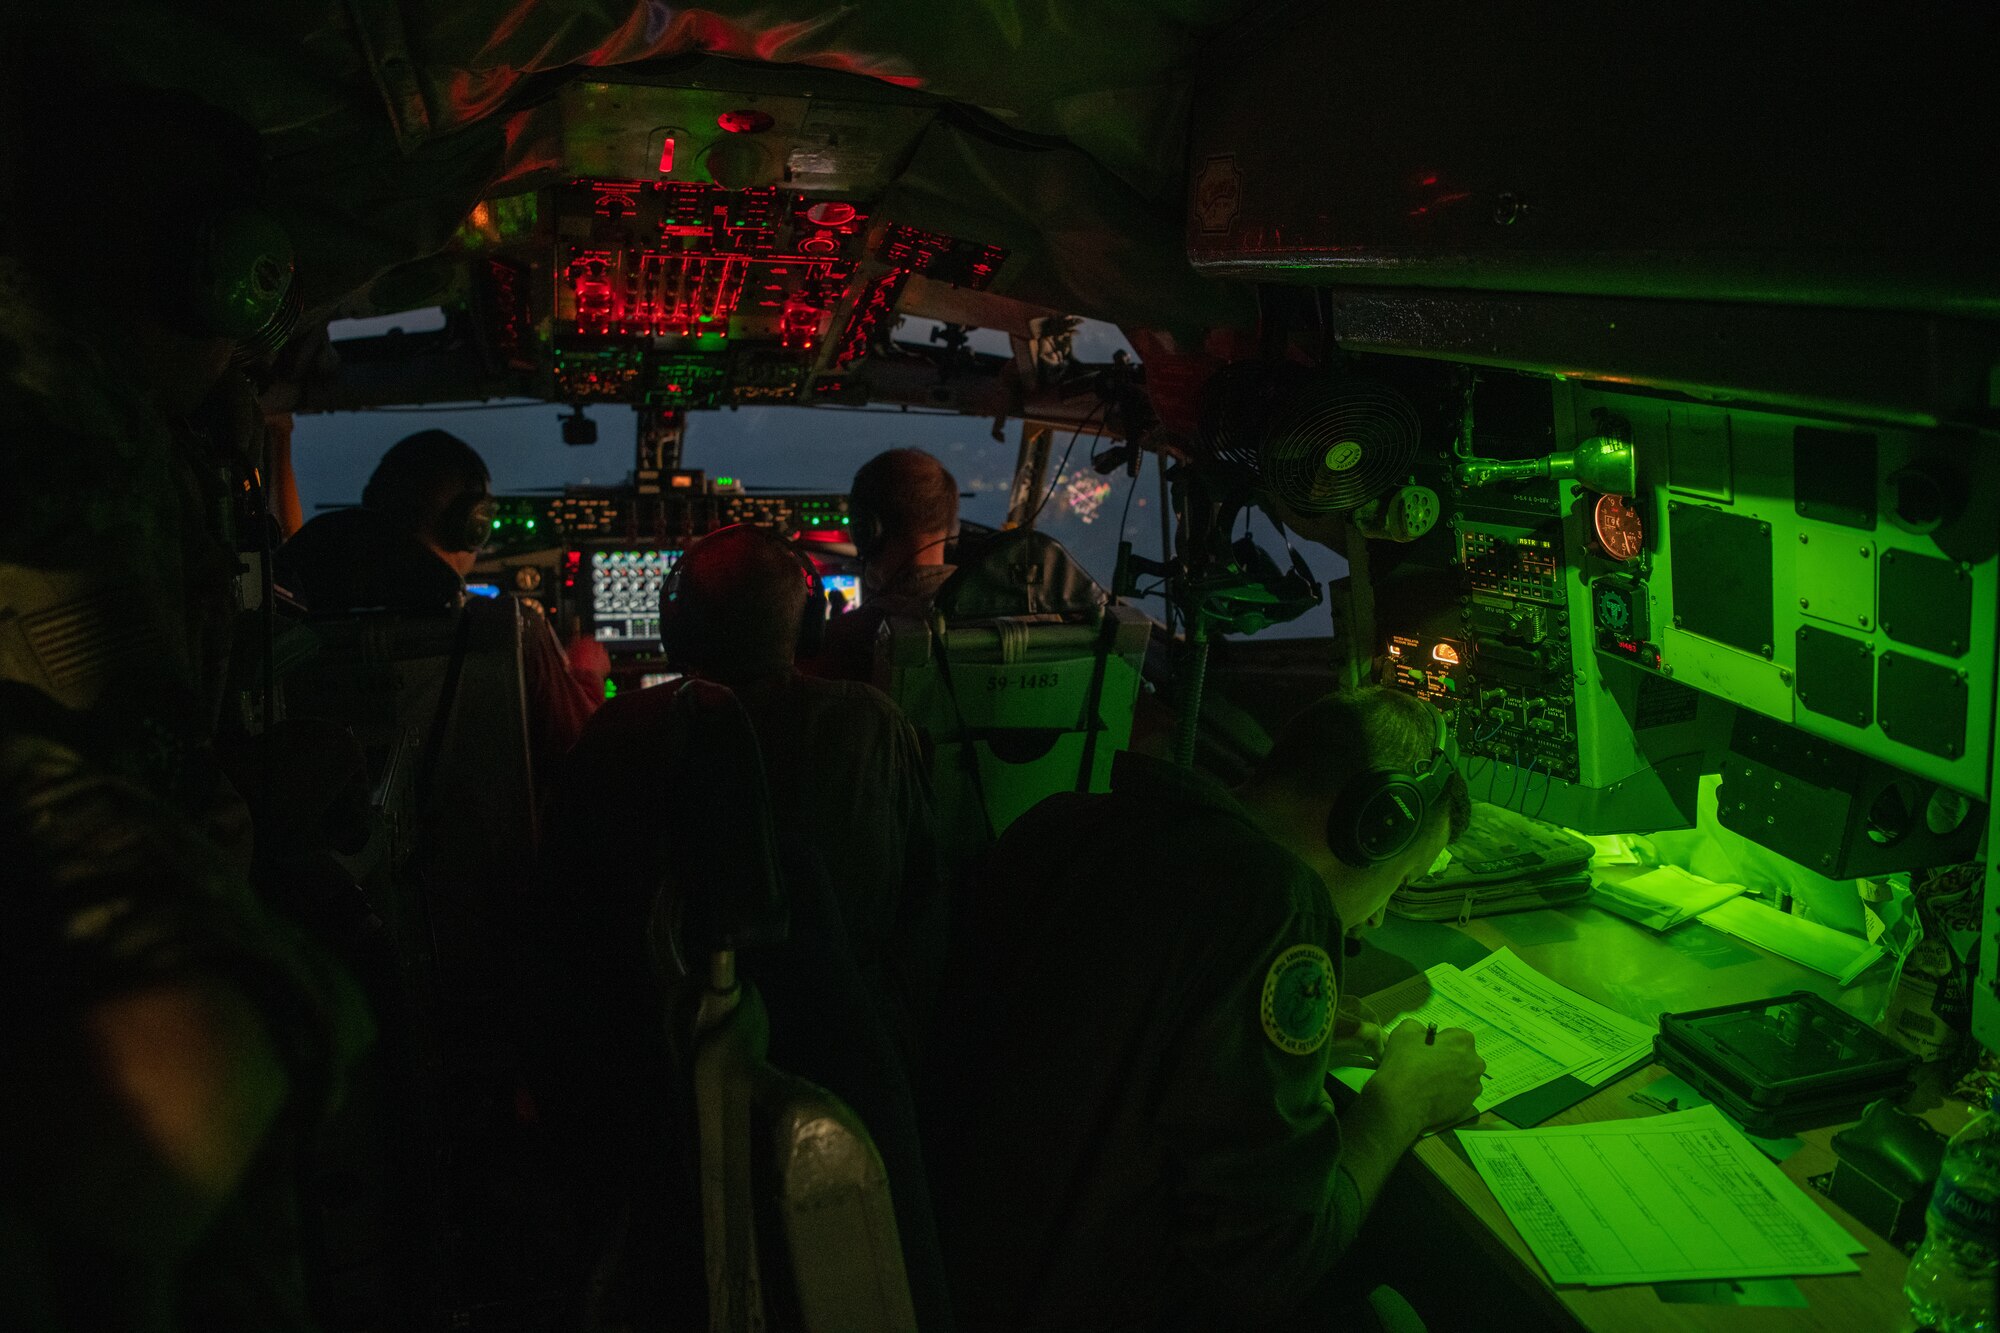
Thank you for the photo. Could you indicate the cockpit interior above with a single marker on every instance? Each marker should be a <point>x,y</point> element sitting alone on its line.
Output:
<point>1623,387</point>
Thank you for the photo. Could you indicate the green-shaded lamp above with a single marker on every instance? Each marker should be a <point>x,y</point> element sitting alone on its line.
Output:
<point>1602,463</point>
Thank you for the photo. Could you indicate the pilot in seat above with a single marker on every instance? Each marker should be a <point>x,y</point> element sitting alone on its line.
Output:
<point>426,511</point>
<point>1129,1127</point>
<point>850,995</point>
<point>903,508</point>
<point>166,1043</point>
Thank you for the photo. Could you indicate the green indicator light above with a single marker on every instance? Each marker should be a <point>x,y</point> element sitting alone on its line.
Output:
<point>531,525</point>
<point>725,481</point>
<point>845,520</point>
<point>610,688</point>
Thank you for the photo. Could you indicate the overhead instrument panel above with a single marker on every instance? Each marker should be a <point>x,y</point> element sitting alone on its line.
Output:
<point>688,295</point>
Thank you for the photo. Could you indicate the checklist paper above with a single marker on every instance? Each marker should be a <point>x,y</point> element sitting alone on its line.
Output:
<point>1502,984</point>
<point>1527,1028</point>
<point>1669,1198</point>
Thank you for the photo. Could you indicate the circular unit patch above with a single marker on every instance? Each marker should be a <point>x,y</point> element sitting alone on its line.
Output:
<point>1298,1004</point>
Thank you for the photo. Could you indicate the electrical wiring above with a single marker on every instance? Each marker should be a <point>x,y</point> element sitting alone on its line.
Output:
<point>1055,478</point>
<point>1125,515</point>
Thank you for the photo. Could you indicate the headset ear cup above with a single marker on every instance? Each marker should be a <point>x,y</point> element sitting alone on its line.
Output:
<point>867,532</point>
<point>812,626</point>
<point>1374,819</point>
<point>242,269</point>
<point>673,634</point>
<point>812,617</point>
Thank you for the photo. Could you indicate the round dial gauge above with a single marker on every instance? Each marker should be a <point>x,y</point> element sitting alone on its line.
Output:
<point>1615,522</point>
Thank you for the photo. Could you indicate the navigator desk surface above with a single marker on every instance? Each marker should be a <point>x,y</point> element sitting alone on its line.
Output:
<point>1642,974</point>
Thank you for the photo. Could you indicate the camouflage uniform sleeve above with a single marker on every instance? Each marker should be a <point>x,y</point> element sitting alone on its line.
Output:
<point>111,889</point>
<point>1264,1206</point>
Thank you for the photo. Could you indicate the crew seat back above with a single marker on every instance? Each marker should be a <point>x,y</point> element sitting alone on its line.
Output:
<point>420,1210</point>
<point>1014,708</point>
<point>798,1227</point>
<point>1022,681</point>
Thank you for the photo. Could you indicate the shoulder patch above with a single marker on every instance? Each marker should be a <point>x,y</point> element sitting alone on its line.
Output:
<point>1298,1004</point>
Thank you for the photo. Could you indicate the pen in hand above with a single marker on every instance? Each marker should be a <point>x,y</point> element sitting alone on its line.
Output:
<point>1431,1039</point>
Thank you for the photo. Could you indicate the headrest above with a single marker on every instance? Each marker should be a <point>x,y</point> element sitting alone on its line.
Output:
<point>720,823</point>
<point>1019,572</point>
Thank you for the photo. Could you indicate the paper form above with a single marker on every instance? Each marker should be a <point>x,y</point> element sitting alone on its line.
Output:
<point>1835,1234</point>
<point>1513,1065</point>
<point>1671,1198</point>
<point>1551,1016</point>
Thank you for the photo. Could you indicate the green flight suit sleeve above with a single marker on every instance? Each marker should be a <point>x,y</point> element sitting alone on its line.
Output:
<point>1265,1208</point>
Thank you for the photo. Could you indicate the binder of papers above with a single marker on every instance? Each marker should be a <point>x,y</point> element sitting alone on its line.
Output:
<point>1504,862</point>
<point>1526,1027</point>
<point>1670,1198</point>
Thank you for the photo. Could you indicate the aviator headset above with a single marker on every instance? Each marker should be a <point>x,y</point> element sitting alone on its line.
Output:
<point>237,281</point>
<point>679,621</point>
<point>1378,815</point>
<point>228,262</point>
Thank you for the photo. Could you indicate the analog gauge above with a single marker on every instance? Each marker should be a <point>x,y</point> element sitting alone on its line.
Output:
<point>1615,522</point>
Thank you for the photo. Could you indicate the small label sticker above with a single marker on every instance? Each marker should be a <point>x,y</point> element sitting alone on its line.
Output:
<point>1298,1004</point>
<point>1343,456</point>
<point>1218,192</point>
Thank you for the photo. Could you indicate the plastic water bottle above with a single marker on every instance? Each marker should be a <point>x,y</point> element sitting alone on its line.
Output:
<point>1951,1277</point>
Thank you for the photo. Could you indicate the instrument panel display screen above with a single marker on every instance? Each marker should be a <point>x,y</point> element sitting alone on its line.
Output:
<point>843,592</point>
<point>625,596</point>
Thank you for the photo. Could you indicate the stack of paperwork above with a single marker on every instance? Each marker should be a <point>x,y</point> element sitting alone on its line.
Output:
<point>1669,1198</point>
<point>1526,1027</point>
<point>1660,898</point>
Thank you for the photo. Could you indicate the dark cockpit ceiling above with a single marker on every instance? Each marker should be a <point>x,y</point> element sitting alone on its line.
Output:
<point>1056,137</point>
<point>1750,203</point>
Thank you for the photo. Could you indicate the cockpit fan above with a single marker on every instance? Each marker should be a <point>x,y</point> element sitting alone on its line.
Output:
<point>1337,445</point>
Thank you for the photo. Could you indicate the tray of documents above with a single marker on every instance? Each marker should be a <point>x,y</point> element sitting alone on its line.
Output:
<point>1505,862</point>
<point>1781,1065</point>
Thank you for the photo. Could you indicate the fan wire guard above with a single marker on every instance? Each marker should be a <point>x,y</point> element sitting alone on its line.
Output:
<point>1339,445</point>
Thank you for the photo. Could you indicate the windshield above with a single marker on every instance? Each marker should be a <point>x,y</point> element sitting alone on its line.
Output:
<point>802,449</point>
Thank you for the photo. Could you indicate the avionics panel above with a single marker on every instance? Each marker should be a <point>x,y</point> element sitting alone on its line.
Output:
<point>1495,620</point>
<point>613,593</point>
<point>608,516</point>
